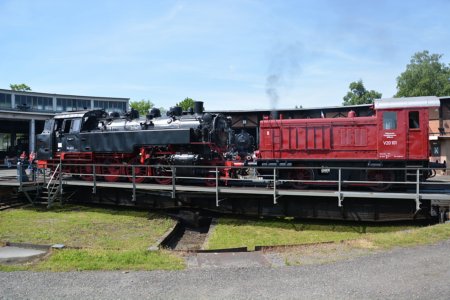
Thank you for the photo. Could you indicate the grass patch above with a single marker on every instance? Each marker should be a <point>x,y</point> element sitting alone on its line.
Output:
<point>418,236</point>
<point>369,243</point>
<point>230,233</point>
<point>90,259</point>
<point>110,239</point>
<point>86,227</point>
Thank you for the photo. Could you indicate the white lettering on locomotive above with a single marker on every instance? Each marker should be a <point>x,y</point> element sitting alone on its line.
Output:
<point>390,143</point>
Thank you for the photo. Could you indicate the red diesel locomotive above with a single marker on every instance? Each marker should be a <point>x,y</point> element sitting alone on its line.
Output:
<point>396,136</point>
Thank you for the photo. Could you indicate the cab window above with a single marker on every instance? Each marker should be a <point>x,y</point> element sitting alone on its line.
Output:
<point>66,126</point>
<point>76,125</point>
<point>389,120</point>
<point>414,120</point>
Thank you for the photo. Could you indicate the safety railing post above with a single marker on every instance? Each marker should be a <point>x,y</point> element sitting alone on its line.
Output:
<point>217,186</point>
<point>173,182</point>
<point>275,185</point>
<point>418,189</point>
<point>19,174</point>
<point>340,187</point>
<point>60,182</point>
<point>94,178</point>
<point>133,172</point>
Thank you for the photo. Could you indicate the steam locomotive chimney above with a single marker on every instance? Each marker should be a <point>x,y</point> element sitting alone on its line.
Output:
<point>198,107</point>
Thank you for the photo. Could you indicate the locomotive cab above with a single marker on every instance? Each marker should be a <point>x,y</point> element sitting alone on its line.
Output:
<point>62,133</point>
<point>46,141</point>
<point>403,128</point>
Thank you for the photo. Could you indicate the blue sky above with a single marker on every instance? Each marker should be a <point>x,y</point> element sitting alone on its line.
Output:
<point>229,54</point>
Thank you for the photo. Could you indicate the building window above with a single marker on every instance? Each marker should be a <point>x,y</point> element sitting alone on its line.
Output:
<point>118,106</point>
<point>389,120</point>
<point>65,104</point>
<point>5,100</point>
<point>34,102</point>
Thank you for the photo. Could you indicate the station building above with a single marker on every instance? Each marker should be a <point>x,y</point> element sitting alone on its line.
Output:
<point>22,115</point>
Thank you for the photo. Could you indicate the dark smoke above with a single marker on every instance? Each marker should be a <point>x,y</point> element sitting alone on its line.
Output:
<point>284,66</point>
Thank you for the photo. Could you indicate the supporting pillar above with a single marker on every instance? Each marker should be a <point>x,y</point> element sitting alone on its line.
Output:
<point>13,101</point>
<point>32,135</point>
<point>13,142</point>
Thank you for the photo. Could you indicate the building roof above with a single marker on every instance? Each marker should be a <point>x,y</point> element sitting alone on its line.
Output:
<point>347,107</point>
<point>61,95</point>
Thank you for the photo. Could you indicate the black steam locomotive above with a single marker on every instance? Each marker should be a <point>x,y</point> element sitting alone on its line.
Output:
<point>82,138</point>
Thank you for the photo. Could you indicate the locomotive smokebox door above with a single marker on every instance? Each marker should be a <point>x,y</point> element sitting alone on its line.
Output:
<point>46,141</point>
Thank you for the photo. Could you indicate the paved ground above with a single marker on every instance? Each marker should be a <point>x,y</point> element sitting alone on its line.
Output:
<point>8,252</point>
<point>228,260</point>
<point>414,273</point>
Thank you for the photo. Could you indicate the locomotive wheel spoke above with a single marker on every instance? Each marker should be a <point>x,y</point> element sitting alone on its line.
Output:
<point>165,174</point>
<point>139,170</point>
<point>380,175</point>
<point>299,176</point>
<point>111,173</point>
<point>87,174</point>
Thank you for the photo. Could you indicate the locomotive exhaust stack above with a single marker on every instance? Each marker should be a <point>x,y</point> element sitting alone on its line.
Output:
<point>198,107</point>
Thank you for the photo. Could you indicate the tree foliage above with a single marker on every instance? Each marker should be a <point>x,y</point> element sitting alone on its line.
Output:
<point>186,103</point>
<point>142,106</point>
<point>425,75</point>
<point>21,87</point>
<point>359,95</point>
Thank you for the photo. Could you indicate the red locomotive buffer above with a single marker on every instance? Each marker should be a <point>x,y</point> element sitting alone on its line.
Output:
<point>396,136</point>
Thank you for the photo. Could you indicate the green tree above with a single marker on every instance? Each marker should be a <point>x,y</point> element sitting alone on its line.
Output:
<point>425,75</point>
<point>186,104</point>
<point>359,95</point>
<point>22,87</point>
<point>142,106</point>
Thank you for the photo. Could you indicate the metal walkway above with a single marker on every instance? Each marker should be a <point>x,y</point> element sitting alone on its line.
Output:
<point>437,190</point>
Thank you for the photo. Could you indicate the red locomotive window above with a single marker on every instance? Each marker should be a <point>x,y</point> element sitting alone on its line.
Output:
<point>389,120</point>
<point>414,120</point>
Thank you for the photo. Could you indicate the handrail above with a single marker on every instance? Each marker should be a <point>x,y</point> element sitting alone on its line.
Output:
<point>275,178</point>
<point>53,175</point>
<point>265,178</point>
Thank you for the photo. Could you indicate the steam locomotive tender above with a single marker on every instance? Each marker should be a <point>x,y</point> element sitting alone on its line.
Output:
<point>82,138</point>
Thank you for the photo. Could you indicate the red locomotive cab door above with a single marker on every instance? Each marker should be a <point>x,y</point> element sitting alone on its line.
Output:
<point>417,140</point>
<point>392,135</point>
